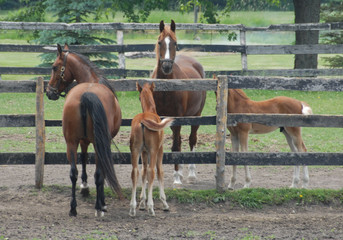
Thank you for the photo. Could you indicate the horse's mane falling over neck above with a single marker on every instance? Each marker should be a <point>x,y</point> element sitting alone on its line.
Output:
<point>238,92</point>
<point>93,68</point>
<point>167,32</point>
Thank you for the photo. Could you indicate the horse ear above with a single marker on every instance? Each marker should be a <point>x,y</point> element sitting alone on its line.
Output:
<point>161,26</point>
<point>138,87</point>
<point>172,25</point>
<point>152,86</point>
<point>66,47</point>
<point>214,76</point>
<point>59,50</point>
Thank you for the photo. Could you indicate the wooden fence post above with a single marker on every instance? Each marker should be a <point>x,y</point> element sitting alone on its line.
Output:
<point>40,133</point>
<point>221,131</point>
<point>244,57</point>
<point>121,55</point>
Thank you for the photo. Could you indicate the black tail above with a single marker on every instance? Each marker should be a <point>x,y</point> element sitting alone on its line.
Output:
<point>102,139</point>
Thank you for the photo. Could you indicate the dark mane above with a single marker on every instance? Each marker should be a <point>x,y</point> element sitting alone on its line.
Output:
<point>102,79</point>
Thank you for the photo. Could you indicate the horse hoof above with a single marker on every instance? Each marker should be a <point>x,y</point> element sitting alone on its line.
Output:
<point>99,213</point>
<point>72,213</point>
<point>132,212</point>
<point>152,212</point>
<point>84,192</point>
<point>142,205</point>
<point>177,185</point>
<point>166,208</point>
<point>192,179</point>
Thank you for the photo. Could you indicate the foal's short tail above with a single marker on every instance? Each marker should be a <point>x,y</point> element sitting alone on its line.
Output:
<point>155,126</point>
<point>306,109</point>
<point>102,139</point>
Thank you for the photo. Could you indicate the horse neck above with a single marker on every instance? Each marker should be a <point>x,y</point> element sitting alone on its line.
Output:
<point>81,71</point>
<point>237,99</point>
<point>148,104</point>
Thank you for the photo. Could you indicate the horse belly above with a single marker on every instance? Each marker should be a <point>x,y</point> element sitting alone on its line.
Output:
<point>261,129</point>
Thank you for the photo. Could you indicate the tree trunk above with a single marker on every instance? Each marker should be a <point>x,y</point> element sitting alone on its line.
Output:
<point>306,11</point>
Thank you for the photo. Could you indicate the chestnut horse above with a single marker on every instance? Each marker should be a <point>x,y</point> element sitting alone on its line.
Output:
<point>177,103</point>
<point>146,140</point>
<point>91,114</point>
<point>238,102</point>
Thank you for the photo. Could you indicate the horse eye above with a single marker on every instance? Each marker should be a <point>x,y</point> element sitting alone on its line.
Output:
<point>54,68</point>
<point>159,42</point>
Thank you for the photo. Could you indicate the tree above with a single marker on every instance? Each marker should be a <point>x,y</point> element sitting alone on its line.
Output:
<point>333,12</point>
<point>70,11</point>
<point>306,11</point>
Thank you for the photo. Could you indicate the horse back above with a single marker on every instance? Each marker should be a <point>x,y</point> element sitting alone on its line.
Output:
<point>72,119</point>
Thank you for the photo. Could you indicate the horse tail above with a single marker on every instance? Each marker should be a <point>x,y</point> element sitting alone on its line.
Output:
<point>102,138</point>
<point>155,126</point>
<point>306,109</point>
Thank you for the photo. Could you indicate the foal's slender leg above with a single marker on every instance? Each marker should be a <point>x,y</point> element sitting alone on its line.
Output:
<point>84,158</point>
<point>160,175</point>
<point>243,140</point>
<point>235,148</point>
<point>151,175</point>
<point>142,203</point>
<point>178,176</point>
<point>192,142</point>
<point>294,134</point>
<point>72,157</point>
<point>134,178</point>
<point>295,180</point>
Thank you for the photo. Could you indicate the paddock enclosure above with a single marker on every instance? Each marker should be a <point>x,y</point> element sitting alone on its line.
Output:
<point>271,79</point>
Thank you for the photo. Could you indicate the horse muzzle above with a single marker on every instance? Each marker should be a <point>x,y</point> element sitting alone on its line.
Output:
<point>52,95</point>
<point>167,66</point>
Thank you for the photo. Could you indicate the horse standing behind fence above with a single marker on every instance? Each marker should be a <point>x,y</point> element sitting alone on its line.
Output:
<point>238,102</point>
<point>177,103</point>
<point>146,140</point>
<point>91,114</point>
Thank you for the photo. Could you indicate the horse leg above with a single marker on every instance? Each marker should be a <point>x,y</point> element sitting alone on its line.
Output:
<point>151,176</point>
<point>243,141</point>
<point>235,148</point>
<point>160,175</point>
<point>84,158</point>
<point>100,207</point>
<point>72,157</point>
<point>178,176</point>
<point>294,140</point>
<point>134,178</point>
<point>192,178</point>
<point>142,202</point>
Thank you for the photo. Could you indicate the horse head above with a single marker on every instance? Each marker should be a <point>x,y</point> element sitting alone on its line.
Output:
<point>166,47</point>
<point>61,75</point>
<point>146,97</point>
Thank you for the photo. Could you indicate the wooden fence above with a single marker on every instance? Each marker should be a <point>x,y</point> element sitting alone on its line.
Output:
<point>221,120</point>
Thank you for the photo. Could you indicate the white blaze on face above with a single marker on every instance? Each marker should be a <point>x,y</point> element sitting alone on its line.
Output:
<point>167,55</point>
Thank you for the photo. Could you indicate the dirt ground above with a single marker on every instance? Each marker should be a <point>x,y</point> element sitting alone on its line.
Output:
<point>26,213</point>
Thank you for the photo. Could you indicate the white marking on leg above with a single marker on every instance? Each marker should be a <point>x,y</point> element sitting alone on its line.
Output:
<point>178,176</point>
<point>247,177</point>
<point>192,178</point>
<point>167,55</point>
<point>295,177</point>
<point>306,177</point>
<point>233,178</point>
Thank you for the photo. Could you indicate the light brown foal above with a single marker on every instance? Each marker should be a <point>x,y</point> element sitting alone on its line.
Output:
<point>146,140</point>
<point>238,102</point>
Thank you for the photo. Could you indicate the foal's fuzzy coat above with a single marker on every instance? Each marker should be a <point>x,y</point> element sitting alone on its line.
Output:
<point>146,140</point>
<point>238,102</point>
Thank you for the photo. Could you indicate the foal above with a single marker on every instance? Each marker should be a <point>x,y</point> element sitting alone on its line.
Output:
<point>238,102</point>
<point>146,140</point>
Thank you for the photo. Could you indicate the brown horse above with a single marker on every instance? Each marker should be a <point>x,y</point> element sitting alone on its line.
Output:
<point>146,140</point>
<point>91,114</point>
<point>177,103</point>
<point>238,102</point>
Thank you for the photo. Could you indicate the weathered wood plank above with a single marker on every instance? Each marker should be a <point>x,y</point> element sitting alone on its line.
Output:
<point>294,49</point>
<point>221,129</point>
<point>256,159</point>
<point>17,120</point>
<point>112,26</point>
<point>287,120</point>
<point>283,83</point>
<point>40,134</point>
